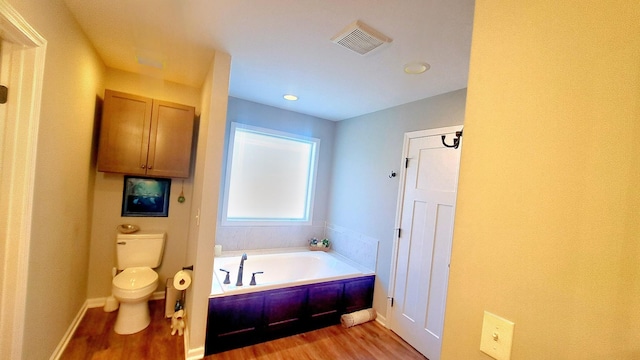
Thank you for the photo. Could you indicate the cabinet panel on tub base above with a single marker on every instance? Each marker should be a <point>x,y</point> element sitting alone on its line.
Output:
<point>246,319</point>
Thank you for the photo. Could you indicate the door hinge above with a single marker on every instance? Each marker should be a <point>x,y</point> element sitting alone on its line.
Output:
<point>406,163</point>
<point>391,299</point>
<point>399,232</point>
<point>3,94</point>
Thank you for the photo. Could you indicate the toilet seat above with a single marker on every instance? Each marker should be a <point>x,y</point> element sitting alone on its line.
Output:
<point>135,278</point>
<point>134,284</point>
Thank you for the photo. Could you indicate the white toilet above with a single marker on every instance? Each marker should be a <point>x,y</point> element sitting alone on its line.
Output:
<point>137,254</point>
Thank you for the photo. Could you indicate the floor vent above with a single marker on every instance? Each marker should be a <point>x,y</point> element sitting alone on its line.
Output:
<point>360,38</point>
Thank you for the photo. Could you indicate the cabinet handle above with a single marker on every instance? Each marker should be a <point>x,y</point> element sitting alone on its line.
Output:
<point>142,166</point>
<point>149,167</point>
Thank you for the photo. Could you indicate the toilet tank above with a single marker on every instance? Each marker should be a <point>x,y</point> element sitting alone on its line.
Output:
<point>140,249</point>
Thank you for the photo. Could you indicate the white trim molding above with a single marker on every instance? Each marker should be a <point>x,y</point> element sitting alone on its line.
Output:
<point>18,172</point>
<point>99,302</point>
<point>381,320</point>
<point>57,353</point>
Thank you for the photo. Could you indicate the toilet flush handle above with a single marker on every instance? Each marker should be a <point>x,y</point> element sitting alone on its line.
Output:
<point>122,243</point>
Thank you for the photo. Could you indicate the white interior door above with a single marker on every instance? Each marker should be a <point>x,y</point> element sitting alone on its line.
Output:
<point>426,208</point>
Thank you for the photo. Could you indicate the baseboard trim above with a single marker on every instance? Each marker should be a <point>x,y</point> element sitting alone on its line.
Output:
<point>99,302</point>
<point>96,302</point>
<point>194,354</point>
<point>59,350</point>
<point>191,354</point>
<point>381,320</point>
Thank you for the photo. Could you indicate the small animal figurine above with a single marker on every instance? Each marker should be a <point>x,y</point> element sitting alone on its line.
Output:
<point>177,322</point>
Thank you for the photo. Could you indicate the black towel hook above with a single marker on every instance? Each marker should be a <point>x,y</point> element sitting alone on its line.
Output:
<point>456,140</point>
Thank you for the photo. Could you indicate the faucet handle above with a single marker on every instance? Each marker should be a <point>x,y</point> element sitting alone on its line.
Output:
<point>226,279</point>
<point>253,277</point>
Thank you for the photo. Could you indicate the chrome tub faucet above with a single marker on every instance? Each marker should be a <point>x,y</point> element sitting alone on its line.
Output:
<point>239,282</point>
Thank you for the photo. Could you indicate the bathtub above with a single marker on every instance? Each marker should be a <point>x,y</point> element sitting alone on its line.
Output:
<point>286,269</point>
<point>298,291</point>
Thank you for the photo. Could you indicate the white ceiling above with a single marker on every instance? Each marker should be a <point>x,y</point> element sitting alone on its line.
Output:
<point>283,46</point>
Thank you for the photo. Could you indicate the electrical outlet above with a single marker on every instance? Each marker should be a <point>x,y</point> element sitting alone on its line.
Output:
<point>497,336</point>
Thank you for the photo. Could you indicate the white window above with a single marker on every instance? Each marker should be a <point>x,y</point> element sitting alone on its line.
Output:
<point>270,177</point>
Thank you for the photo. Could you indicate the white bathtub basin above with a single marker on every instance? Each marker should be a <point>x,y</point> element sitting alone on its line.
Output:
<point>281,270</point>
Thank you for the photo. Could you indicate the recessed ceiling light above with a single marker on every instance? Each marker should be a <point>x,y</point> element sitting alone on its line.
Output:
<point>290,97</point>
<point>416,68</point>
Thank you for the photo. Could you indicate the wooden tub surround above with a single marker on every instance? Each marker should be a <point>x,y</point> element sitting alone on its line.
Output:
<point>245,319</point>
<point>297,290</point>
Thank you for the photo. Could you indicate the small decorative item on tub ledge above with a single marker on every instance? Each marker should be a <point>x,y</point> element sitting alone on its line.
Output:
<point>319,245</point>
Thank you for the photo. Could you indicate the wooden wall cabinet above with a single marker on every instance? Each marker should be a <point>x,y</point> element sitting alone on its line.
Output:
<point>142,136</point>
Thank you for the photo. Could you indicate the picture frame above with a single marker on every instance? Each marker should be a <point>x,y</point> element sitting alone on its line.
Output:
<point>145,197</point>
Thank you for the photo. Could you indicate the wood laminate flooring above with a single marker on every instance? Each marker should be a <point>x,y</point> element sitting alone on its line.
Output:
<point>95,339</point>
<point>367,341</point>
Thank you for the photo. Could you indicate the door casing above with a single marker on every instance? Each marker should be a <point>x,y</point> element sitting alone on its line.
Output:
<point>18,157</point>
<point>400,204</point>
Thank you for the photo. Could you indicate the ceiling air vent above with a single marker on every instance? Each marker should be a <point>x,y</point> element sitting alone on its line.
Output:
<point>360,38</point>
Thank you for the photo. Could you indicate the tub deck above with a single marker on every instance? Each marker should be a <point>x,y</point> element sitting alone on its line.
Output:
<point>293,267</point>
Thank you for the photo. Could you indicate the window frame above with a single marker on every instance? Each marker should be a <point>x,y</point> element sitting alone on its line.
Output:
<point>312,177</point>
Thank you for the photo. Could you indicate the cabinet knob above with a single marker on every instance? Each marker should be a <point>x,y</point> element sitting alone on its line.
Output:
<point>149,167</point>
<point>142,166</point>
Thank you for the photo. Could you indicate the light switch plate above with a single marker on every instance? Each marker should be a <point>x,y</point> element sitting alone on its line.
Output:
<point>497,336</point>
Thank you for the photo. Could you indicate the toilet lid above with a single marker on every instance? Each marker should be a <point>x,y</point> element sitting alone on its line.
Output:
<point>135,278</point>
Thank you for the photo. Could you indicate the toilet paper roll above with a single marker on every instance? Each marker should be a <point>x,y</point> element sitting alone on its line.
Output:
<point>182,279</point>
<point>357,318</point>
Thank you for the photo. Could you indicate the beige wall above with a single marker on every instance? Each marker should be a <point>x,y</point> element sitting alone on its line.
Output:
<point>108,196</point>
<point>62,205</point>
<point>152,87</point>
<point>547,221</point>
<point>208,170</point>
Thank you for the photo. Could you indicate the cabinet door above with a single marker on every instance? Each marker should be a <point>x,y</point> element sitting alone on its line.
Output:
<point>233,322</point>
<point>324,304</point>
<point>358,294</point>
<point>284,310</point>
<point>124,134</point>
<point>170,140</point>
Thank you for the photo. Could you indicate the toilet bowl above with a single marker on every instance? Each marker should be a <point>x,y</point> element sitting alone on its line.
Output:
<point>132,288</point>
<point>137,255</point>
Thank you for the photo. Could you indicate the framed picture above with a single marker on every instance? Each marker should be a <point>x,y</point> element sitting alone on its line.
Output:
<point>145,196</point>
